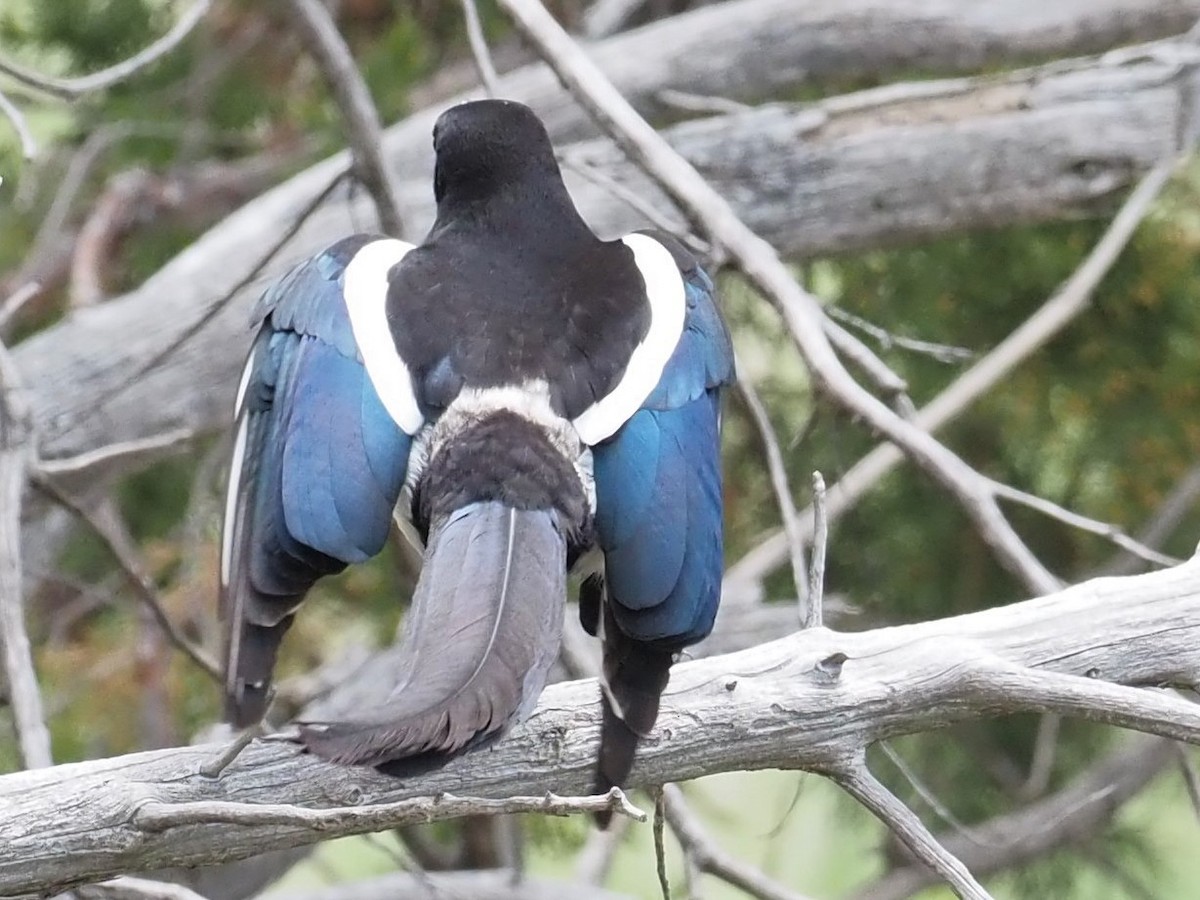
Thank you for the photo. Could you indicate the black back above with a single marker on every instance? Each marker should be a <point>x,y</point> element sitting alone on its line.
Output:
<point>542,297</point>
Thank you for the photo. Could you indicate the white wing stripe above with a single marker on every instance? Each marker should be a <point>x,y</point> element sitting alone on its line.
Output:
<point>365,289</point>
<point>668,307</point>
<point>231,499</point>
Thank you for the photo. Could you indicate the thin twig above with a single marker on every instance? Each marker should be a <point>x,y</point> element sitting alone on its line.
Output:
<point>928,797</point>
<point>129,888</point>
<point>1106,530</point>
<point>17,299</point>
<point>944,353</point>
<point>360,118</point>
<point>222,761</point>
<point>1071,816</point>
<point>218,305</point>
<point>1045,750</point>
<point>700,103</point>
<point>479,49</point>
<point>595,860</point>
<point>16,456</point>
<point>1178,503</point>
<point>638,203</point>
<point>814,611</point>
<point>660,845</point>
<point>710,857</point>
<point>20,125</point>
<point>782,487</point>
<point>155,815</point>
<point>1054,315</point>
<point>856,780</point>
<point>70,88</point>
<point>143,584</point>
<point>859,354</point>
<point>1191,780</point>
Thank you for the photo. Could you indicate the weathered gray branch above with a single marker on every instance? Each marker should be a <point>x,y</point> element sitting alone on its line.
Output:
<point>484,885</point>
<point>770,706</point>
<point>1071,815</point>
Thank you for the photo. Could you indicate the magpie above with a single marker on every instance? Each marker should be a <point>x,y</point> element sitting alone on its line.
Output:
<point>520,393</point>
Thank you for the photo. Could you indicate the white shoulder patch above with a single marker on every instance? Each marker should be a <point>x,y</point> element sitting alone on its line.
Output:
<point>365,290</point>
<point>668,307</point>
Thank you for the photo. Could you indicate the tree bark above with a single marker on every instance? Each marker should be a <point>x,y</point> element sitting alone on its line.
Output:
<point>802,701</point>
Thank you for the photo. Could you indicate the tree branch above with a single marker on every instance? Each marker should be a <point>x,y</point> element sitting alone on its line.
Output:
<point>771,706</point>
<point>478,885</point>
<point>1062,308</point>
<point>1070,816</point>
<point>20,125</point>
<point>361,120</point>
<point>713,859</point>
<point>70,88</point>
<point>16,454</point>
<point>857,781</point>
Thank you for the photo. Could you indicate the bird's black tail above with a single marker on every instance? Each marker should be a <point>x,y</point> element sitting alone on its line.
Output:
<point>632,681</point>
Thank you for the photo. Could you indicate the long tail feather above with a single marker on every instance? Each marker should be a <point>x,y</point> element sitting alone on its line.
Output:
<point>479,640</point>
<point>634,676</point>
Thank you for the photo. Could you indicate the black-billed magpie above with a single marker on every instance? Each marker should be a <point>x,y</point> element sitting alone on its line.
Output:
<point>525,392</point>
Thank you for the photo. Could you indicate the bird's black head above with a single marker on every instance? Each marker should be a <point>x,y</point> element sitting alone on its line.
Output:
<point>488,148</point>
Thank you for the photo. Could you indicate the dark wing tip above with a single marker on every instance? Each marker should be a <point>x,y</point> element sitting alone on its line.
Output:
<point>248,690</point>
<point>618,744</point>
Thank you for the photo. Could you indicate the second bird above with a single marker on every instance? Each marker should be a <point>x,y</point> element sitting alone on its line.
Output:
<point>527,393</point>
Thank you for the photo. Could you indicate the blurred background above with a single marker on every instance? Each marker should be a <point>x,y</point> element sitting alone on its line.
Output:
<point>1103,419</point>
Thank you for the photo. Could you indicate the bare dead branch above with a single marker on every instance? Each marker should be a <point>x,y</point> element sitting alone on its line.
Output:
<point>697,103</point>
<point>1045,752</point>
<point>71,88</point>
<point>1062,308</point>
<point>1070,816</point>
<point>660,846</point>
<point>469,885</point>
<point>359,116</point>
<point>711,858</point>
<point>922,790</point>
<point>479,49</point>
<point>128,888</point>
<point>941,352</point>
<point>157,817</point>
<point>859,354</point>
<point>17,299</point>
<point>1106,530</point>
<point>605,17</point>
<point>781,486</point>
<point>142,584</point>
<point>20,125</point>
<point>16,455</point>
<point>814,610</point>
<point>856,780</point>
<point>1178,503</point>
<point>595,860</point>
<point>768,707</point>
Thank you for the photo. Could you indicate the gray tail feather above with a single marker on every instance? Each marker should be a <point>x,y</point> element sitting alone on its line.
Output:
<point>483,631</point>
<point>634,677</point>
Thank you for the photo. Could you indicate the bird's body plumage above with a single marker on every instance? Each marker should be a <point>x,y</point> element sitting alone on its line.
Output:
<point>525,392</point>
